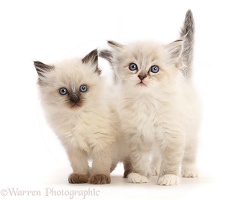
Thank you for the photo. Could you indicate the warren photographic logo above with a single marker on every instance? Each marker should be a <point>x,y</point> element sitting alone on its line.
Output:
<point>50,192</point>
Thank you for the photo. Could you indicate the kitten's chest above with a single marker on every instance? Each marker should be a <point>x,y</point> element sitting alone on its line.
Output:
<point>141,112</point>
<point>143,106</point>
<point>78,132</point>
<point>145,113</point>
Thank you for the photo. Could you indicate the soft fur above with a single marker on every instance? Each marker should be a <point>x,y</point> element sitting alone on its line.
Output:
<point>159,111</point>
<point>86,127</point>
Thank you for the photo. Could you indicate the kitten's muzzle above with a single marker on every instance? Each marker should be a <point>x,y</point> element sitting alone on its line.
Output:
<point>74,98</point>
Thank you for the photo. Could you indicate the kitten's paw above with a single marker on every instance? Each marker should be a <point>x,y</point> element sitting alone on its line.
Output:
<point>127,172</point>
<point>154,171</point>
<point>168,180</point>
<point>75,178</point>
<point>137,178</point>
<point>100,179</point>
<point>189,172</point>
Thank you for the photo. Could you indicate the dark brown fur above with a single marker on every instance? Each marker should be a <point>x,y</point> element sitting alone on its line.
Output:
<point>100,179</point>
<point>127,167</point>
<point>41,69</point>
<point>93,58</point>
<point>73,104</point>
<point>75,178</point>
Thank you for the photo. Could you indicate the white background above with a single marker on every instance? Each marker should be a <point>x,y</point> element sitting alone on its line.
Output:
<point>31,157</point>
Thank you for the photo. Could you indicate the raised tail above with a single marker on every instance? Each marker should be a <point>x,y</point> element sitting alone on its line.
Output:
<point>187,34</point>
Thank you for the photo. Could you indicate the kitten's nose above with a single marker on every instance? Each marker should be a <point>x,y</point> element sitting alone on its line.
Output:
<point>74,98</point>
<point>142,76</point>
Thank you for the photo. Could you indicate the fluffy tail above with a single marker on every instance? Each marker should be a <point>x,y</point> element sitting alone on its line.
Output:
<point>187,34</point>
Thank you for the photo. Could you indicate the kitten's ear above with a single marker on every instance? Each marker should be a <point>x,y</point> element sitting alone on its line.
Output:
<point>174,50</point>
<point>92,59</point>
<point>108,55</point>
<point>42,68</point>
<point>115,45</point>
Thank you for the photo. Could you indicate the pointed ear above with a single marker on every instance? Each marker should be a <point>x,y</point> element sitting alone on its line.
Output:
<point>108,55</point>
<point>92,59</point>
<point>174,50</point>
<point>115,45</point>
<point>42,68</point>
<point>111,56</point>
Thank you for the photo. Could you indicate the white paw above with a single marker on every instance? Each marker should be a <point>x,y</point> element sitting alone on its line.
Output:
<point>137,178</point>
<point>189,172</point>
<point>168,179</point>
<point>154,171</point>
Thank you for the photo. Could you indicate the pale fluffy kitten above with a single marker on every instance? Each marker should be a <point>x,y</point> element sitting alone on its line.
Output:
<point>158,106</point>
<point>74,98</point>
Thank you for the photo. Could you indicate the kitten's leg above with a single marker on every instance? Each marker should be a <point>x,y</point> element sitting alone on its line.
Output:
<point>102,162</point>
<point>113,166</point>
<point>78,159</point>
<point>172,152</point>
<point>127,167</point>
<point>155,162</point>
<point>116,158</point>
<point>189,169</point>
<point>141,171</point>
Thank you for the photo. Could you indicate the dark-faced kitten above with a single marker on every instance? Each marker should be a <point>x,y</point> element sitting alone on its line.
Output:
<point>75,99</point>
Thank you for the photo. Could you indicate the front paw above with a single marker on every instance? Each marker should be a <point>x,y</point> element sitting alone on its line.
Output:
<point>137,178</point>
<point>100,179</point>
<point>75,178</point>
<point>168,180</point>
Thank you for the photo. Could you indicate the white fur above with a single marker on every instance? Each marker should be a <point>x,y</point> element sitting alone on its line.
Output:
<point>164,113</point>
<point>87,131</point>
<point>137,178</point>
<point>168,180</point>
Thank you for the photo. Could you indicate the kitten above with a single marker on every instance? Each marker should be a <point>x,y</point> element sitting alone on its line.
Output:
<point>158,106</point>
<point>75,100</point>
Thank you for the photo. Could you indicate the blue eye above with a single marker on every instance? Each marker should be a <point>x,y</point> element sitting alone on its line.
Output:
<point>132,67</point>
<point>154,69</point>
<point>63,91</point>
<point>83,88</point>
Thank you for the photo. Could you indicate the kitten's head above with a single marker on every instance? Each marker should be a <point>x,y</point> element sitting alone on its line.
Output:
<point>144,64</point>
<point>71,84</point>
